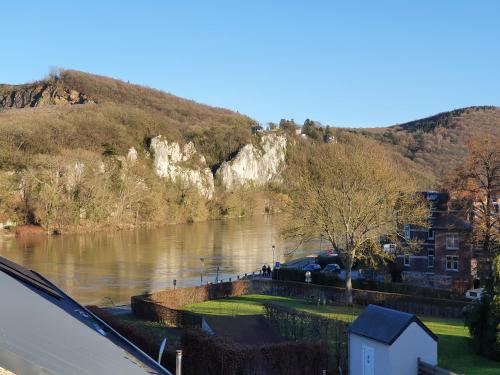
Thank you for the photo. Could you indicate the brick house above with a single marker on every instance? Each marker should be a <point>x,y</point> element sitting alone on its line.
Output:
<point>444,250</point>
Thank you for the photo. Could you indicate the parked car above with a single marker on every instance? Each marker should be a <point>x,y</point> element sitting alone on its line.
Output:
<point>312,267</point>
<point>474,294</point>
<point>331,268</point>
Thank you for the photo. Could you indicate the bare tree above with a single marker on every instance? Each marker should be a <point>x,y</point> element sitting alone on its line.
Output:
<point>352,193</point>
<point>476,184</point>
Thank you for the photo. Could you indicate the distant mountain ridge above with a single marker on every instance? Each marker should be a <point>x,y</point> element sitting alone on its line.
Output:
<point>127,115</point>
<point>439,143</point>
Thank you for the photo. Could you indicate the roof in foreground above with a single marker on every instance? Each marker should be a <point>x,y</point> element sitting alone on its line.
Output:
<point>44,331</point>
<point>385,325</point>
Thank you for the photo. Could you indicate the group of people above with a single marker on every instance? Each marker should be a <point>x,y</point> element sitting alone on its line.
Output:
<point>266,271</point>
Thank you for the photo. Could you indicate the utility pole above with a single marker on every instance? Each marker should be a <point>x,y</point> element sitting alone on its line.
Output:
<point>201,270</point>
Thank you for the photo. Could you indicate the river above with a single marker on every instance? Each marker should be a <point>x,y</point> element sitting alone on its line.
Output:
<point>108,267</point>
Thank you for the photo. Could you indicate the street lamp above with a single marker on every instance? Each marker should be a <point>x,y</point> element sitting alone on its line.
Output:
<point>274,251</point>
<point>202,260</point>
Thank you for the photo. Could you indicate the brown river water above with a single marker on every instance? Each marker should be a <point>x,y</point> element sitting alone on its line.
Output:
<point>108,267</point>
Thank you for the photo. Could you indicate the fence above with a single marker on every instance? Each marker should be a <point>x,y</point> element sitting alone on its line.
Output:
<point>297,325</point>
<point>409,303</point>
<point>426,369</point>
<point>330,279</point>
<point>165,306</point>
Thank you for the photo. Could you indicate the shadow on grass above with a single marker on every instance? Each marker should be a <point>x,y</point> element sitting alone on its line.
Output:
<point>456,353</point>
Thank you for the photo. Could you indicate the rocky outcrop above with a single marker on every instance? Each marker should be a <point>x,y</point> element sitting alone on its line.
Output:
<point>132,155</point>
<point>36,95</point>
<point>255,165</point>
<point>182,164</point>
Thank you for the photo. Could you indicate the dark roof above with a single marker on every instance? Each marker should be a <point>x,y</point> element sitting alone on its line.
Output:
<point>28,276</point>
<point>450,222</point>
<point>385,325</point>
<point>40,316</point>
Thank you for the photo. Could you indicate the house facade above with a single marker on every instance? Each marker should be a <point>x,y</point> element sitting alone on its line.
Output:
<point>443,255</point>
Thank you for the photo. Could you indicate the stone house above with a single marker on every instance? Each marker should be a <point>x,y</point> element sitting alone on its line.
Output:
<point>444,249</point>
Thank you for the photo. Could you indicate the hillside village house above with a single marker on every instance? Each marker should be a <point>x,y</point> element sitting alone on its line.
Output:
<point>444,255</point>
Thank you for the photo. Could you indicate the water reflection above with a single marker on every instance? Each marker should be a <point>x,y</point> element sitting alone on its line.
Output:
<point>102,267</point>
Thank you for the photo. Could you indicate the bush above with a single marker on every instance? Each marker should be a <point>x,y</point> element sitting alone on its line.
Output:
<point>221,356</point>
<point>147,340</point>
<point>483,318</point>
<point>299,325</point>
<point>330,279</point>
<point>293,274</point>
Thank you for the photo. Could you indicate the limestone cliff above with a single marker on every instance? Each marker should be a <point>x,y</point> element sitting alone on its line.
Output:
<point>183,164</point>
<point>255,165</point>
<point>39,94</point>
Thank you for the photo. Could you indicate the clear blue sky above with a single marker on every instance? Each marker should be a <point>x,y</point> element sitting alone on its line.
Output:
<point>345,63</point>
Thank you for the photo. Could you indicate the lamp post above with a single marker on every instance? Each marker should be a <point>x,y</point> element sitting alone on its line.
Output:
<point>202,260</point>
<point>274,251</point>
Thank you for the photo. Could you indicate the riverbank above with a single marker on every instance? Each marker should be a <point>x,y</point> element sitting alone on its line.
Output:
<point>108,265</point>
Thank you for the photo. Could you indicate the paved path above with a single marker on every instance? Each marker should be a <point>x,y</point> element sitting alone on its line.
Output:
<point>245,329</point>
<point>118,310</point>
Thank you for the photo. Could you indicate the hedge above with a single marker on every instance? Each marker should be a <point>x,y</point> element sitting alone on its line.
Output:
<point>147,340</point>
<point>328,279</point>
<point>300,325</point>
<point>222,356</point>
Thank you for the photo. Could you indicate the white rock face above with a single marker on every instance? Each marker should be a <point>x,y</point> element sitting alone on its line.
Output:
<point>172,161</point>
<point>132,155</point>
<point>255,165</point>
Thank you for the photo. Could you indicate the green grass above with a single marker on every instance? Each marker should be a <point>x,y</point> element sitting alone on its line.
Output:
<point>455,351</point>
<point>173,334</point>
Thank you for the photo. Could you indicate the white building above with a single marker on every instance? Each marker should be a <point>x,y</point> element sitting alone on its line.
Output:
<point>386,341</point>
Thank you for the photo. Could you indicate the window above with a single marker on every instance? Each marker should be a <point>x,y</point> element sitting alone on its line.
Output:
<point>452,263</point>
<point>452,241</point>
<point>407,260</point>
<point>390,248</point>
<point>430,235</point>
<point>430,258</point>
<point>407,233</point>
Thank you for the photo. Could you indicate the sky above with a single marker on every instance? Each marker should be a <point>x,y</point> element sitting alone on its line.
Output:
<point>343,63</point>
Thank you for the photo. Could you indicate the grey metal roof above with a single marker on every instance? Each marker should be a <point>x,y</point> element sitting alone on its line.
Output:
<point>385,325</point>
<point>44,331</point>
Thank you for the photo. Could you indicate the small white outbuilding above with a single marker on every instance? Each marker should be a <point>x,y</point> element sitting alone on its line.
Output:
<point>383,341</point>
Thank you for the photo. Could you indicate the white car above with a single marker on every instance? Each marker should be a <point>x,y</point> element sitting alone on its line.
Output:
<point>474,294</point>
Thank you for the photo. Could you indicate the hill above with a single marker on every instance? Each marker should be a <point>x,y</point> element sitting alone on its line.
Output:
<point>81,150</point>
<point>437,144</point>
<point>72,110</point>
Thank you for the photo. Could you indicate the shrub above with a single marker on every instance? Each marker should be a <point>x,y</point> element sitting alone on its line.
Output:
<point>483,318</point>
<point>147,340</point>
<point>221,356</point>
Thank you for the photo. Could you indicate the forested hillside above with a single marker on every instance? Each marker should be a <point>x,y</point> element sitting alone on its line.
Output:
<point>84,151</point>
<point>72,109</point>
<point>438,143</point>
<point>75,152</point>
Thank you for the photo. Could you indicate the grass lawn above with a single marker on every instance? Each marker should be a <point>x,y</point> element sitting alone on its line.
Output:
<point>455,352</point>
<point>173,334</point>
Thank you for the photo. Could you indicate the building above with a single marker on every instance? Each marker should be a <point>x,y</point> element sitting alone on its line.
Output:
<point>44,331</point>
<point>386,341</point>
<point>444,250</point>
